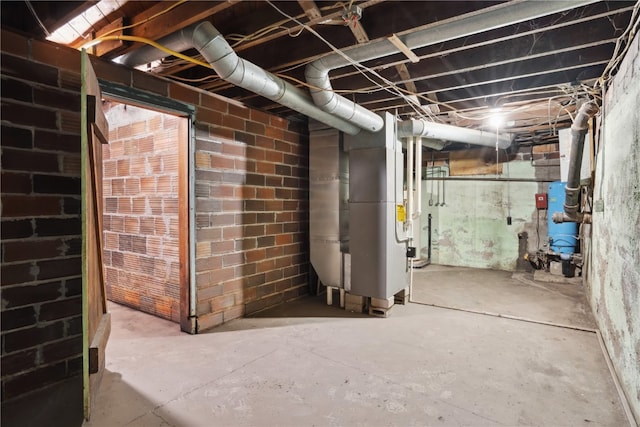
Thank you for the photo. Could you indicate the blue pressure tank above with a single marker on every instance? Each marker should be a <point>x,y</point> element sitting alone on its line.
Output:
<point>563,237</point>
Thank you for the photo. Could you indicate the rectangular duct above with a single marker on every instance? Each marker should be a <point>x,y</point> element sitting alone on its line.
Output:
<point>328,194</point>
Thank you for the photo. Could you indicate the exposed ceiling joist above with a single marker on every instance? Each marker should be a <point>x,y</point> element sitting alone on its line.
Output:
<point>548,60</point>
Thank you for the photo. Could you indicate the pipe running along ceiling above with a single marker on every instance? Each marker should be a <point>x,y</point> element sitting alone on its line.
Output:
<point>460,60</point>
<point>229,66</point>
<point>331,108</point>
<point>317,72</point>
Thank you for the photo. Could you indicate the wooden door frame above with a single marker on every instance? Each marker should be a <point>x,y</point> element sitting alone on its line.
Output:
<point>186,183</point>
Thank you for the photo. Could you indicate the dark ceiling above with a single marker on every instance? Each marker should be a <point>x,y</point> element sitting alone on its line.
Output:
<point>535,71</point>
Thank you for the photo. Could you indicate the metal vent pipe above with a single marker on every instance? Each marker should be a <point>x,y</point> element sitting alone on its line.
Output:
<point>317,72</point>
<point>444,132</point>
<point>225,62</point>
<point>579,129</point>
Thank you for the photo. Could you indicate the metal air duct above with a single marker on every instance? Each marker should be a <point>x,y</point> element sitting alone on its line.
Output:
<point>225,62</point>
<point>440,131</point>
<point>317,72</point>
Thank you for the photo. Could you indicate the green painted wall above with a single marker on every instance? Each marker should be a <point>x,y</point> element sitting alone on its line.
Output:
<point>471,228</point>
<point>613,272</point>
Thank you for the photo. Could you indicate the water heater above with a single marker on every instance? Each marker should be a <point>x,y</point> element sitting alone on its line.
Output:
<point>563,237</point>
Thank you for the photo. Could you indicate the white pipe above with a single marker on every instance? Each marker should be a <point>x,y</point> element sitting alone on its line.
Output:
<point>446,132</point>
<point>419,184</point>
<point>502,15</point>
<point>204,37</point>
<point>397,172</point>
<point>434,144</point>
<point>410,165</point>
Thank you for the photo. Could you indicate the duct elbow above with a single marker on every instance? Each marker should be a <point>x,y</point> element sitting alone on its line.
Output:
<point>586,111</point>
<point>317,75</point>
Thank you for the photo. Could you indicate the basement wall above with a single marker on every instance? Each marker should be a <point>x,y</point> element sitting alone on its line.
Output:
<point>251,205</point>
<point>613,274</point>
<point>41,235</point>
<point>141,230</point>
<point>471,229</point>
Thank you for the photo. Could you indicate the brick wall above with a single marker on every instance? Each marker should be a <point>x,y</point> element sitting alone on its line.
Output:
<point>251,184</point>
<point>41,227</point>
<point>251,211</point>
<point>140,186</point>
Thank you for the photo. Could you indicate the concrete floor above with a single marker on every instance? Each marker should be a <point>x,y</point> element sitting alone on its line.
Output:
<point>307,364</point>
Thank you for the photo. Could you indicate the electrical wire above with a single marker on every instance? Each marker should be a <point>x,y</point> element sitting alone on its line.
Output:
<point>35,15</point>
<point>617,56</point>
<point>391,88</point>
<point>310,86</point>
<point>149,42</point>
<point>239,38</point>
<point>152,17</point>
<point>184,79</point>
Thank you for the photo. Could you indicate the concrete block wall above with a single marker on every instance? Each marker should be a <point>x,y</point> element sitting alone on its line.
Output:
<point>140,188</point>
<point>41,225</point>
<point>471,229</point>
<point>613,279</point>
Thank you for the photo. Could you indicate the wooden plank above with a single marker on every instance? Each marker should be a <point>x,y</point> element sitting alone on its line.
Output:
<point>95,162</point>
<point>395,40</point>
<point>310,9</point>
<point>95,331</point>
<point>99,344</point>
<point>480,161</point>
<point>179,17</point>
<point>93,100</point>
<point>85,183</point>
<point>109,46</point>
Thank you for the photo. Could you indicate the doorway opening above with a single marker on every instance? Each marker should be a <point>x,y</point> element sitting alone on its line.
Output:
<point>146,205</point>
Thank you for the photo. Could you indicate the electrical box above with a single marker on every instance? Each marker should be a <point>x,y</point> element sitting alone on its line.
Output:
<point>541,201</point>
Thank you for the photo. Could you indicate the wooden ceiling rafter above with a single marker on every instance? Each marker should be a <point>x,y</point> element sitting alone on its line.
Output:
<point>276,35</point>
<point>528,62</point>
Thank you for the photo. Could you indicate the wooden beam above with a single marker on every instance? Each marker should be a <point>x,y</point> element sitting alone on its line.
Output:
<point>358,31</point>
<point>99,344</point>
<point>403,48</point>
<point>310,9</point>
<point>110,45</point>
<point>316,21</point>
<point>96,117</point>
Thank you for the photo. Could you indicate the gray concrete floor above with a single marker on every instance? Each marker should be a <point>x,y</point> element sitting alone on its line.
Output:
<point>307,364</point>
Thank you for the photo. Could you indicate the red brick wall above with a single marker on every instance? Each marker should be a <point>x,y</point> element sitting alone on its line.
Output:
<point>251,211</point>
<point>41,227</point>
<point>141,210</point>
<point>251,181</point>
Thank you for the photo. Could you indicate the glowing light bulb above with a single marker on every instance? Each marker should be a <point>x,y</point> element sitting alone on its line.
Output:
<point>496,119</point>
